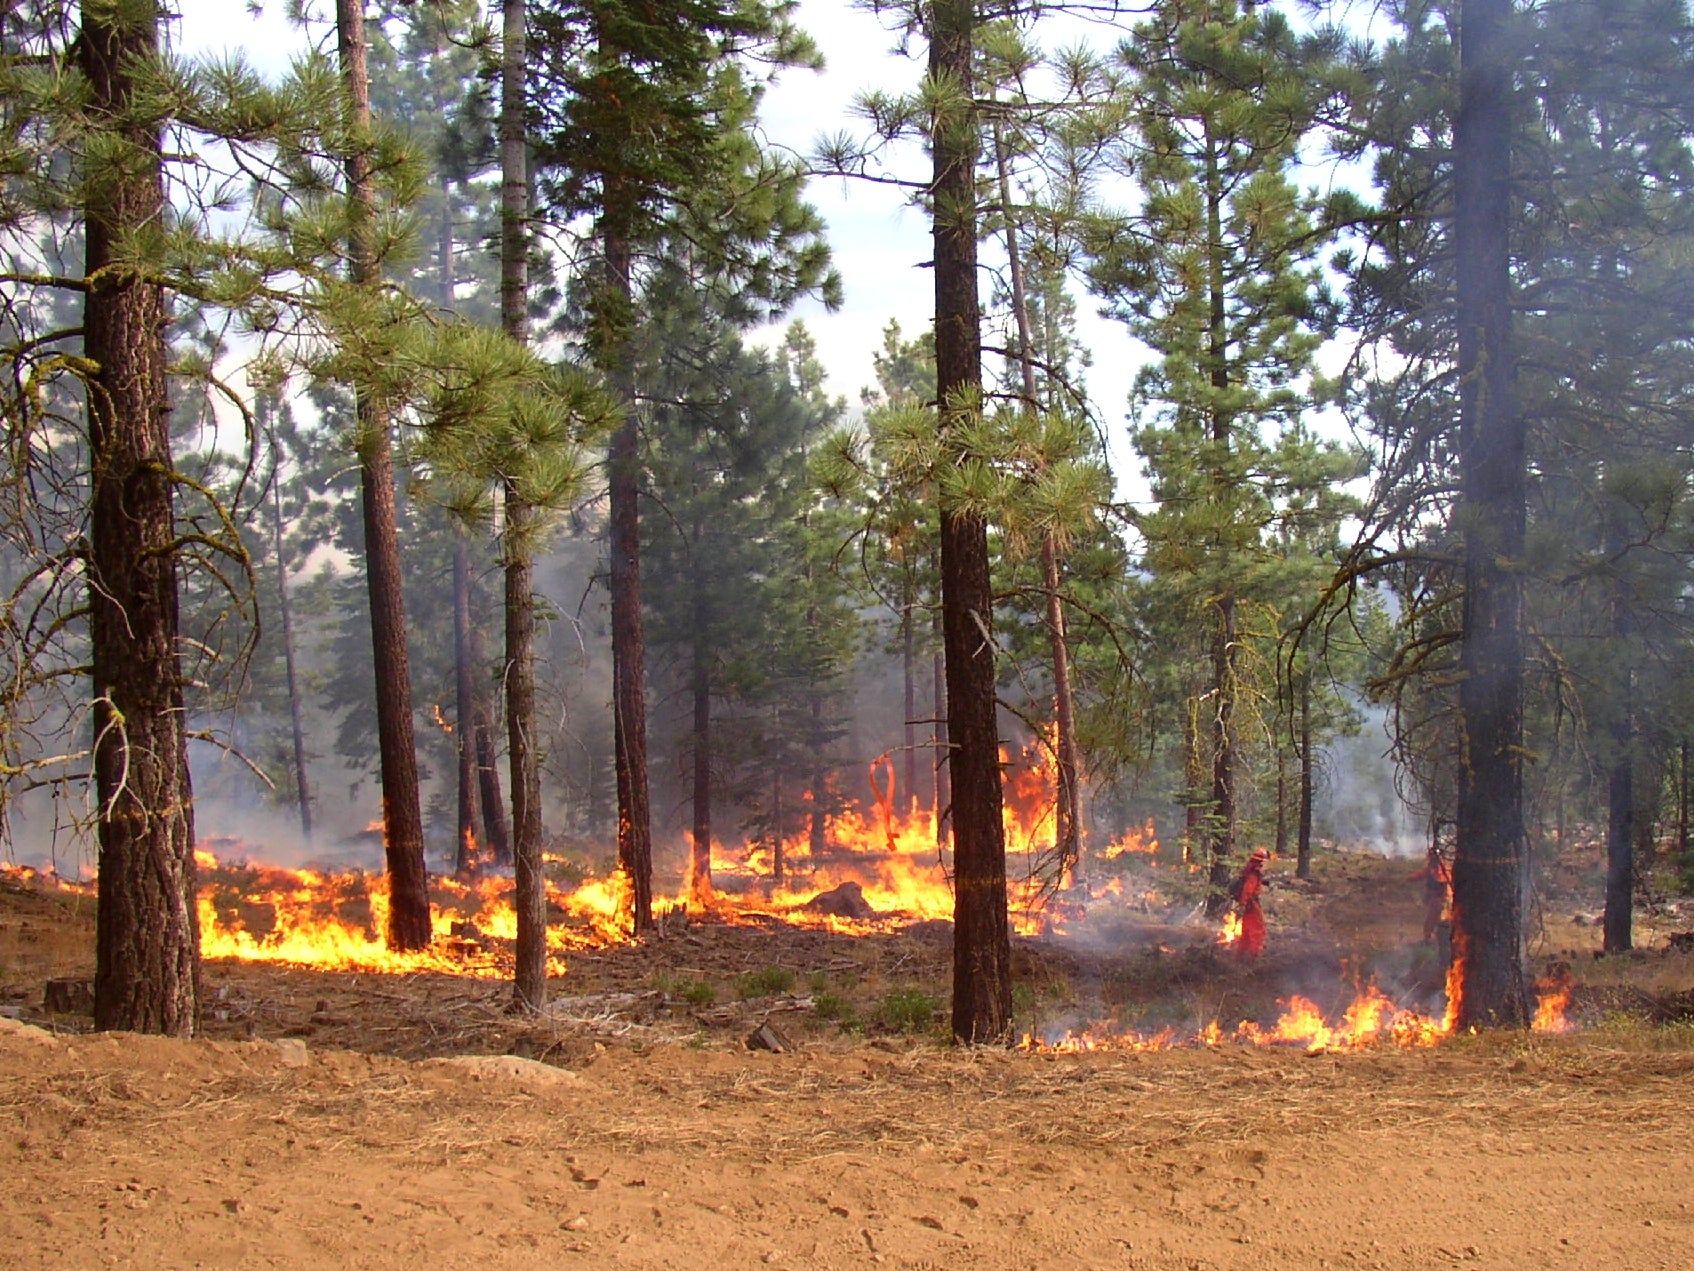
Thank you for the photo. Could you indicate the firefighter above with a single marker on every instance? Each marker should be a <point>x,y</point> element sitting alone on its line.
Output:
<point>1437,876</point>
<point>1251,942</point>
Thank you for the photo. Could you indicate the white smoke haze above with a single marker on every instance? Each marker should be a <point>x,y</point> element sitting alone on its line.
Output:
<point>1357,802</point>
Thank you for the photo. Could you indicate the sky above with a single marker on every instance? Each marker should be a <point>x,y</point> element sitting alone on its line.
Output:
<point>880,242</point>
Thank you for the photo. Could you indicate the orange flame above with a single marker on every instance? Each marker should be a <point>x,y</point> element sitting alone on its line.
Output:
<point>1230,932</point>
<point>1371,1019</point>
<point>1140,842</point>
<point>1553,994</point>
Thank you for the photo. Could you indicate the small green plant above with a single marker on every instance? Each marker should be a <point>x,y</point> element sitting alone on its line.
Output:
<point>908,1011</point>
<point>765,982</point>
<point>818,982</point>
<point>694,992</point>
<point>698,993</point>
<point>836,1007</point>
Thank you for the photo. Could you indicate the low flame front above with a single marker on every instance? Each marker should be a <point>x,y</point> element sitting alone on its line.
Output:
<point>1371,1019</point>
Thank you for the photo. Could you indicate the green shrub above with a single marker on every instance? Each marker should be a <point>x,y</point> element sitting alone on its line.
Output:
<point>765,982</point>
<point>907,1011</point>
<point>834,1006</point>
<point>698,993</point>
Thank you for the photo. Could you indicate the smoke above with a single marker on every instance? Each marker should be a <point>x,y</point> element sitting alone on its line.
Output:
<point>1358,802</point>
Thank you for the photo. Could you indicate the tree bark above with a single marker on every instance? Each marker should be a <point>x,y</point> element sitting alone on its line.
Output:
<point>1621,809</point>
<point>909,680</point>
<point>700,847</point>
<point>493,797</point>
<point>1489,857</point>
<point>296,722</point>
<point>147,938</point>
<point>402,818</point>
<point>629,641</point>
<point>1221,831</point>
<point>1683,842</point>
<point>1067,836</point>
<point>468,857</point>
<point>982,975</point>
<point>1303,835</point>
<point>529,987</point>
<point>943,754</point>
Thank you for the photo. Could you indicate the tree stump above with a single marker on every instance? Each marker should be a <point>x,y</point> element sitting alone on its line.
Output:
<point>69,997</point>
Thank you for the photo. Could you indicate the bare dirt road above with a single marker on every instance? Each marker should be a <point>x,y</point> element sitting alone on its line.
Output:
<point>143,1152</point>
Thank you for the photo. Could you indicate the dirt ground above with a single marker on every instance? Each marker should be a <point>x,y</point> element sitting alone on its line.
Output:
<point>342,1120</point>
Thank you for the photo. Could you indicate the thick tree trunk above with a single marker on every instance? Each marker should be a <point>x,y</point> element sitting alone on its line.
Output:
<point>402,818</point>
<point>1489,859</point>
<point>468,857</point>
<point>982,972</point>
<point>285,610</point>
<point>147,938</point>
<point>529,988</point>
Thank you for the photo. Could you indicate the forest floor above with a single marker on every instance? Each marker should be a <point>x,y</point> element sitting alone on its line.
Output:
<point>371,1121</point>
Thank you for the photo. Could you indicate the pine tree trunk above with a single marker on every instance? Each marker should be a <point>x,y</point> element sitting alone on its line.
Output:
<point>285,610</point>
<point>943,752</point>
<point>778,864</point>
<point>468,859</point>
<point>1067,836</point>
<point>147,939</point>
<point>1620,853</point>
<point>1193,773</point>
<point>700,849</point>
<point>629,642</point>
<point>402,818</point>
<point>529,988</point>
<point>1221,834</point>
<point>909,681</point>
<point>493,796</point>
<point>1281,840</point>
<point>1303,839</point>
<point>529,991</point>
<point>1621,809</point>
<point>1489,858</point>
<point>982,974</point>
<point>1684,844</point>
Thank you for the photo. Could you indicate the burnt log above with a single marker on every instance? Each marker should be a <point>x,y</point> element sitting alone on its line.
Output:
<point>845,901</point>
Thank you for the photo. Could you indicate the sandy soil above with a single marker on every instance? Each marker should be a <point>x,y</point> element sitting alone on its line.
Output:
<point>131,1151</point>
<point>653,1139</point>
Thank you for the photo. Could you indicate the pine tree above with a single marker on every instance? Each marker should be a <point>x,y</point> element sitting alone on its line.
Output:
<point>1217,275</point>
<point>402,817</point>
<point>643,129</point>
